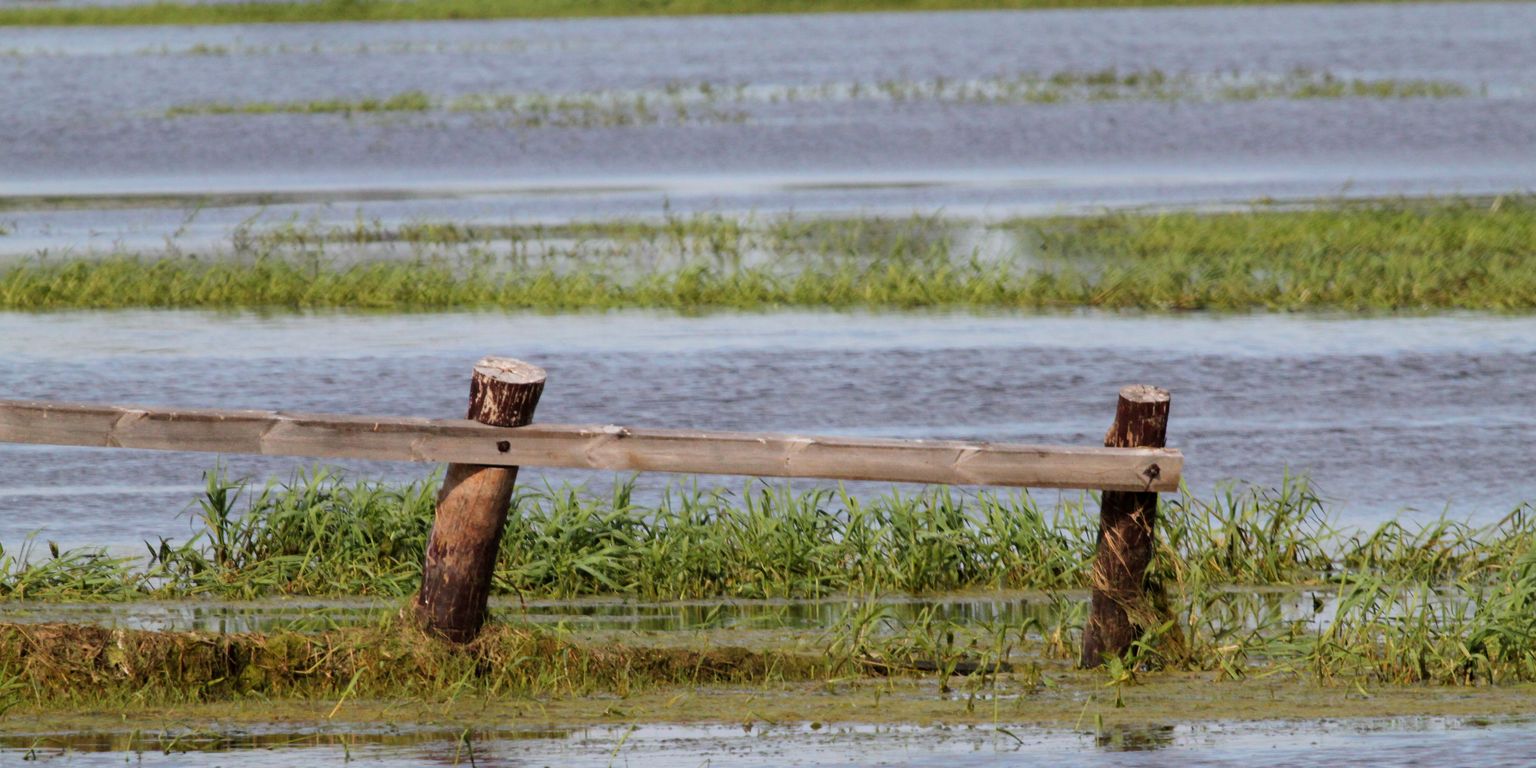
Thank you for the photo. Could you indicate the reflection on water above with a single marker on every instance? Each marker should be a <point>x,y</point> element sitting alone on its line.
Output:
<point>1136,738</point>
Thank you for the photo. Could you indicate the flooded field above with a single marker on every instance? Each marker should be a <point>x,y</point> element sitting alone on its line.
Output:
<point>985,114</point>
<point>403,143</point>
<point>1256,396</point>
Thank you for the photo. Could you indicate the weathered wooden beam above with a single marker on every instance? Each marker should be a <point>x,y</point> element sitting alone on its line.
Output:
<point>591,447</point>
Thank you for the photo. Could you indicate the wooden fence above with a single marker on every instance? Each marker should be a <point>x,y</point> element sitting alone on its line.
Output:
<point>485,449</point>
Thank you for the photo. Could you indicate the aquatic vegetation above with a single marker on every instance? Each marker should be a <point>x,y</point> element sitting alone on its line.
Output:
<point>409,10</point>
<point>1369,256</point>
<point>602,110</point>
<point>707,102</point>
<point>1111,84</point>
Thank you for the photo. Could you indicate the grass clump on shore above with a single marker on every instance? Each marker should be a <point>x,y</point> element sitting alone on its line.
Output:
<point>440,10</point>
<point>1404,255</point>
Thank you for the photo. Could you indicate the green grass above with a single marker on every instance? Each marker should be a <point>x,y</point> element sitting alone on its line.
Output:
<point>393,10</point>
<point>1376,256</point>
<point>320,535</point>
<point>1444,603</point>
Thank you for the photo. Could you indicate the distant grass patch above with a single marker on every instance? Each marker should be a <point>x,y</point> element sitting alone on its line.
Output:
<point>1426,255</point>
<point>714,103</point>
<point>395,10</point>
<point>521,110</point>
<point>410,101</point>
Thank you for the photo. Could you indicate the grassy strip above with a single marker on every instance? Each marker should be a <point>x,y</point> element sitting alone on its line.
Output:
<point>319,535</point>
<point>1447,254</point>
<point>420,10</point>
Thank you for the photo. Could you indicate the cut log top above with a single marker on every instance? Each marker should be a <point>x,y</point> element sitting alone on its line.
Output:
<point>509,371</point>
<point>590,446</point>
<point>1141,418</point>
<point>503,392</point>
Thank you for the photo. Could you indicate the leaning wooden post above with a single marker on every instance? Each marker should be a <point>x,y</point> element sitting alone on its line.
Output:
<point>1120,609</point>
<point>472,506</point>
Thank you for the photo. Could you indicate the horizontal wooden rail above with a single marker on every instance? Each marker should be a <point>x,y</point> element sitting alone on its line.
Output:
<point>591,447</point>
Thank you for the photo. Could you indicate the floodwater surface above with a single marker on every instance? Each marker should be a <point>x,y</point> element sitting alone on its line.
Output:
<point>817,113</point>
<point>1398,742</point>
<point>1408,417</point>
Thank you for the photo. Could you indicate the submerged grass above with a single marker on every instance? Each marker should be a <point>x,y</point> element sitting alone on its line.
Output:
<point>68,665</point>
<point>707,102</point>
<point>1392,255</point>
<point>576,110</point>
<point>414,10</point>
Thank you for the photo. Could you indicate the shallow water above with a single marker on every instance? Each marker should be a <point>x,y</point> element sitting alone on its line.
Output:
<point>589,615</point>
<point>731,621</point>
<point>1400,742</point>
<point>86,116</point>
<point>1390,416</point>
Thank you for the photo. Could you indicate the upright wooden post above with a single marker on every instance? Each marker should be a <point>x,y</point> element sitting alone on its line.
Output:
<point>1120,610</point>
<point>472,506</point>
